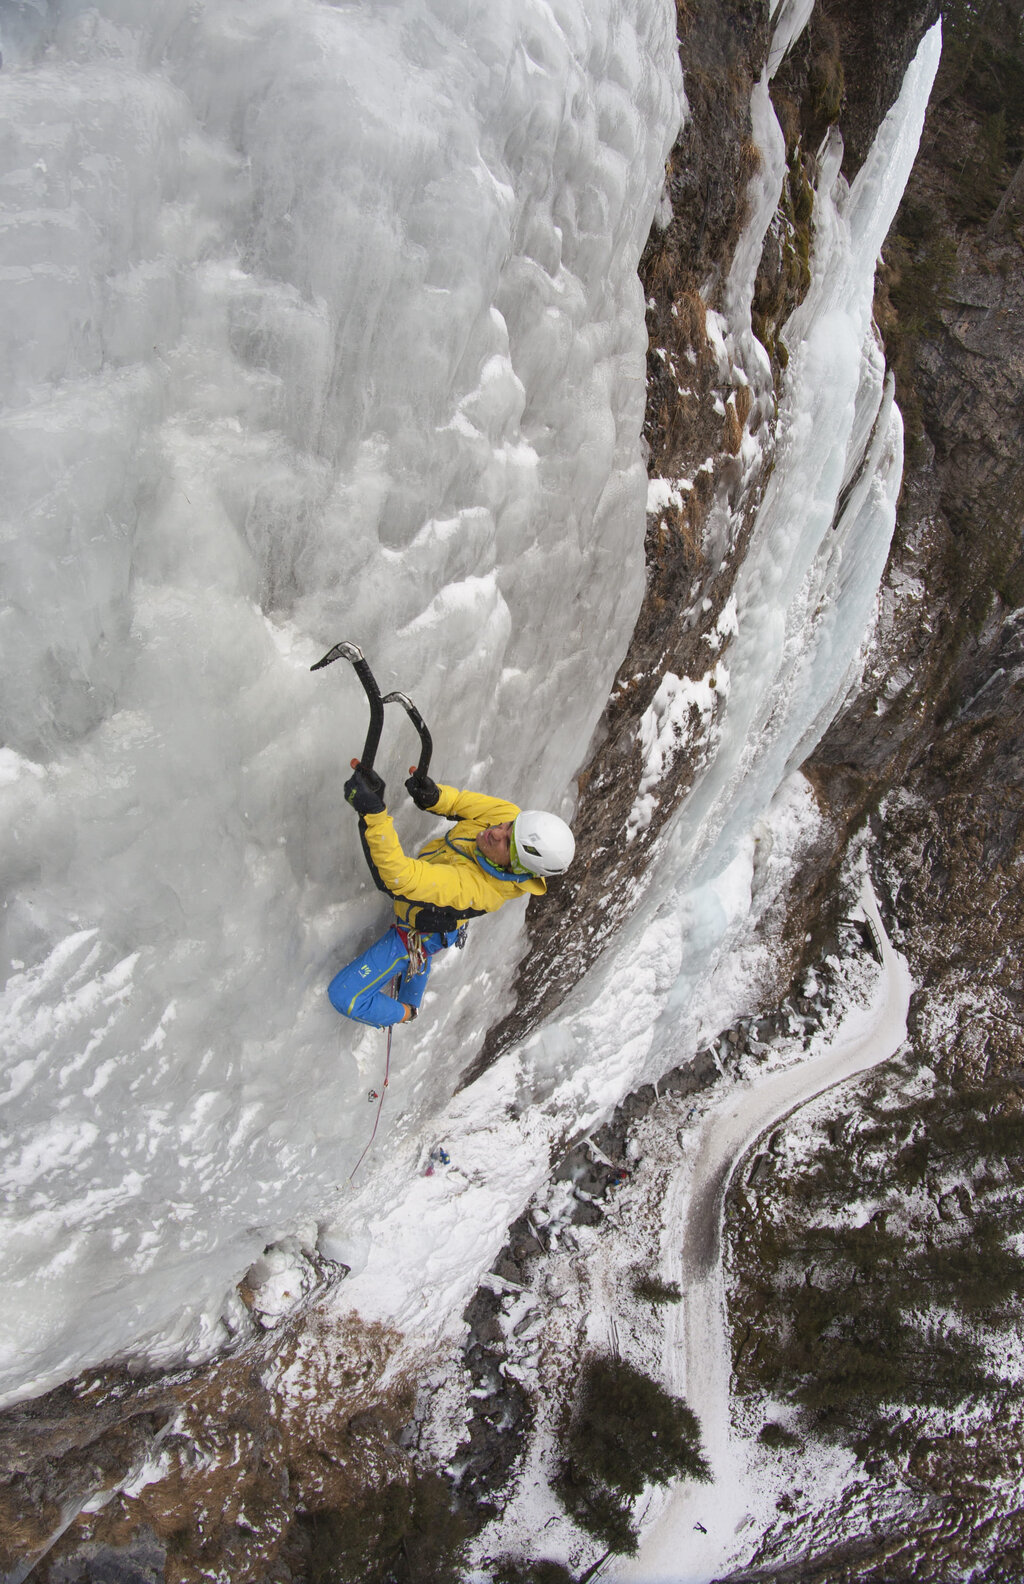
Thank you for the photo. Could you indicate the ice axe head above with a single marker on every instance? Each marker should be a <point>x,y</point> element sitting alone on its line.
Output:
<point>341,651</point>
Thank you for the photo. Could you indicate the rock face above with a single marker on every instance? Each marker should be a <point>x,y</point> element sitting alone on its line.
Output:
<point>848,66</point>
<point>940,715</point>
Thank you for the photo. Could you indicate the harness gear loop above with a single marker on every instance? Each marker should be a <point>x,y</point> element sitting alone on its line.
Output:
<point>412,940</point>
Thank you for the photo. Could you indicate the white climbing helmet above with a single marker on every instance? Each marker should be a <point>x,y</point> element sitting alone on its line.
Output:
<point>542,843</point>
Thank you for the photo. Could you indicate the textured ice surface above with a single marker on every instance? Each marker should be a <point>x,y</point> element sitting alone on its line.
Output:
<point>317,322</point>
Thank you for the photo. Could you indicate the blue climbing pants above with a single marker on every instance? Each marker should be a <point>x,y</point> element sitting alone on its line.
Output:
<point>361,990</point>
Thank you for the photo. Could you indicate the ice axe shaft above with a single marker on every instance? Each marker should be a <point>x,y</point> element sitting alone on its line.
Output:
<point>352,653</point>
<point>426,744</point>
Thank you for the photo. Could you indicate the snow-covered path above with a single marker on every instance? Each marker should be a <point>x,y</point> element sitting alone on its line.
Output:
<point>674,1549</point>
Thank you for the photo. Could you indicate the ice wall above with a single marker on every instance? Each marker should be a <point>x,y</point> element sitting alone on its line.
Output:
<point>317,322</point>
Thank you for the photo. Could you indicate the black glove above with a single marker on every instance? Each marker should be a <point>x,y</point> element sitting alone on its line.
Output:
<point>423,791</point>
<point>364,789</point>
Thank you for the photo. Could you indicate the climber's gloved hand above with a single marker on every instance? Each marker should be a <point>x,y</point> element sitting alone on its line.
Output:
<point>364,789</point>
<point>422,790</point>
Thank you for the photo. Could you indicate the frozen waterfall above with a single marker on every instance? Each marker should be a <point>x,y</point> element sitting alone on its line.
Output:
<point>323,322</point>
<point>318,322</point>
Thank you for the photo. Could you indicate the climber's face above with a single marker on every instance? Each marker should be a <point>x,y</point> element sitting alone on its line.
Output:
<point>496,844</point>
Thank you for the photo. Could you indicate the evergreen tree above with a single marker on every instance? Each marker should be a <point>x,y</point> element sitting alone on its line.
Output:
<point>626,1431</point>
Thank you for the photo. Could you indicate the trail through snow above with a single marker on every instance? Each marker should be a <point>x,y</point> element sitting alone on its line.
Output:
<point>695,1532</point>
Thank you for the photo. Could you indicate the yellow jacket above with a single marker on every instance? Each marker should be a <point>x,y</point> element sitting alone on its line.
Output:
<point>450,881</point>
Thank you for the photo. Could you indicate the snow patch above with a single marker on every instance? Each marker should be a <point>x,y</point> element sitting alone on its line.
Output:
<point>681,715</point>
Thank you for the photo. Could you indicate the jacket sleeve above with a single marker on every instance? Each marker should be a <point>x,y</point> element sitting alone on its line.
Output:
<point>474,806</point>
<point>459,886</point>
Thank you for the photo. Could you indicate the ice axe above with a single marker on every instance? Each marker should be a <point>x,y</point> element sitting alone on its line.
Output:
<point>352,652</point>
<point>420,770</point>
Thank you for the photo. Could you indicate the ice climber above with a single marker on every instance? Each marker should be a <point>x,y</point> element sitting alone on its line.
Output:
<point>494,853</point>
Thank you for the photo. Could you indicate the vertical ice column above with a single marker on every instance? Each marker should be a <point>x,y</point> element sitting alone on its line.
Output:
<point>799,624</point>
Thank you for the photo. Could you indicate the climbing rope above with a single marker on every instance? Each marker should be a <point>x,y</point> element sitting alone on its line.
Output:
<point>374,1095</point>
